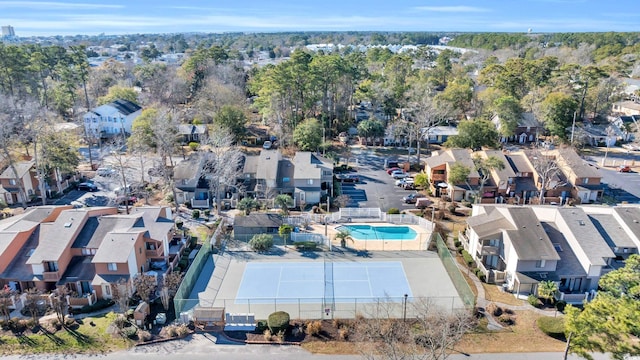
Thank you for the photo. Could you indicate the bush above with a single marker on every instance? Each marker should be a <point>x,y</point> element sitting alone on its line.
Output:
<point>207,212</point>
<point>456,242</point>
<point>560,305</point>
<point>182,330</point>
<point>278,321</point>
<point>506,319</point>
<point>144,335</point>
<point>313,327</point>
<point>261,242</point>
<point>195,214</point>
<point>261,326</point>
<point>534,301</point>
<point>552,326</point>
<point>194,146</point>
<point>343,333</point>
<point>267,335</point>
<point>129,332</point>
<point>467,258</point>
<point>393,211</point>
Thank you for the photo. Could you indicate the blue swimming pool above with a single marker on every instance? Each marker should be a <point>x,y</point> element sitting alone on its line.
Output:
<point>382,232</point>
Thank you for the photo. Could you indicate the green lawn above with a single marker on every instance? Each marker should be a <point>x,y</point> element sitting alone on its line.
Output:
<point>86,338</point>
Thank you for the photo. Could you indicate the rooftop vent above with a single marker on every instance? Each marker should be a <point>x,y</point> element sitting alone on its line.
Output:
<point>581,222</point>
<point>67,224</point>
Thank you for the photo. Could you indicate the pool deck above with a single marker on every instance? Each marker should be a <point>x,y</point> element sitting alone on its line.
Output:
<point>421,242</point>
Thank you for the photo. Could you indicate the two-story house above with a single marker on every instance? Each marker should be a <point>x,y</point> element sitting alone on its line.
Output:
<point>21,183</point>
<point>312,177</point>
<point>572,246</point>
<point>111,120</point>
<point>527,129</point>
<point>191,185</point>
<point>585,180</point>
<point>438,167</point>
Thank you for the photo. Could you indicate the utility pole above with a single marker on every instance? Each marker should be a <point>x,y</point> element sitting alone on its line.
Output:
<point>573,126</point>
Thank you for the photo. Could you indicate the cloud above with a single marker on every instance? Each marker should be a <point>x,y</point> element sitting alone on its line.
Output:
<point>51,5</point>
<point>457,8</point>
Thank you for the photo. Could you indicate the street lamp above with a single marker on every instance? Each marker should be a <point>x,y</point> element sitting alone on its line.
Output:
<point>404,308</point>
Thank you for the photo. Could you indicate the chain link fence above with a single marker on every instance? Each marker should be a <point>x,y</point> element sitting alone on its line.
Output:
<point>461,285</point>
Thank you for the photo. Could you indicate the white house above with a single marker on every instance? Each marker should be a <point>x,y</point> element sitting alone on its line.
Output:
<point>112,119</point>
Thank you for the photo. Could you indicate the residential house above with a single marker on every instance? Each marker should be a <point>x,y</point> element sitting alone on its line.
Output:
<point>244,227</point>
<point>597,135</point>
<point>192,133</point>
<point>627,108</point>
<point>526,131</point>
<point>572,246</point>
<point>439,134</point>
<point>438,167</point>
<point>111,120</point>
<point>191,185</point>
<point>312,177</point>
<point>85,250</point>
<point>523,187</point>
<point>23,179</point>
<point>547,170</point>
<point>504,179</point>
<point>585,180</point>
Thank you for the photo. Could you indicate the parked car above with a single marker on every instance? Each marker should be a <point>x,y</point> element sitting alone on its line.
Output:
<point>87,186</point>
<point>412,198</point>
<point>399,174</point>
<point>403,182</point>
<point>123,200</point>
<point>624,168</point>
<point>267,145</point>
<point>422,203</point>
<point>391,170</point>
<point>105,171</point>
<point>349,178</point>
<point>389,164</point>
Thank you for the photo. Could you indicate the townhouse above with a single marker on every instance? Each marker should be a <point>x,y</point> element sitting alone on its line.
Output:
<point>573,246</point>
<point>85,250</point>
<point>111,120</point>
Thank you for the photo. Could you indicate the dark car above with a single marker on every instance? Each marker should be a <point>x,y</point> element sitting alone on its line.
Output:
<point>350,178</point>
<point>87,186</point>
<point>411,198</point>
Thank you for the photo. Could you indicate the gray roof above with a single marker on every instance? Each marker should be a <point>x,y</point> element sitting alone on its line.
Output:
<point>440,159</point>
<point>258,220</point>
<point>100,279</point>
<point>527,119</point>
<point>286,170</point>
<point>156,224</point>
<point>268,164</point>
<point>440,130</point>
<point>56,236</point>
<point>116,247</point>
<point>630,216</point>
<point>589,239</point>
<point>80,268</point>
<point>189,129</point>
<point>612,231</point>
<point>519,163</point>
<point>569,265</point>
<point>251,164</point>
<point>188,170</point>
<point>454,155</point>
<point>504,174</point>
<point>309,166</point>
<point>18,269</point>
<point>569,160</point>
<point>529,239</point>
<point>107,224</point>
<point>22,168</point>
<point>125,107</point>
<point>490,223</point>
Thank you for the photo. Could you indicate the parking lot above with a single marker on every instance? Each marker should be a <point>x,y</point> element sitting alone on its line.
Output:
<point>375,188</point>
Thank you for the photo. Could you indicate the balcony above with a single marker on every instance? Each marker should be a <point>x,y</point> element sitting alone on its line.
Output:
<point>200,204</point>
<point>493,276</point>
<point>80,301</point>
<point>158,252</point>
<point>484,250</point>
<point>51,275</point>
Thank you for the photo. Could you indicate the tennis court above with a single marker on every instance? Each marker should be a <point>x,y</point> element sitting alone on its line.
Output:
<point>326,285</point>
<point>290,282</point>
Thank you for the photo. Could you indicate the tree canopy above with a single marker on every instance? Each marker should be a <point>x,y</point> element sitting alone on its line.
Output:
<point>308,135</point>
<point>474,134</point>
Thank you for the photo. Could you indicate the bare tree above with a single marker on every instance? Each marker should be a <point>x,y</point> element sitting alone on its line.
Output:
<point>59,302</point>
<point>547,169</point>
<point>6,302</point>
<point>170,284</point>
<point>31,303</point>
<point>121,293</point>
<point>145,286</point>
<point>221,162</point>
<point>430,333</point>
<point>341,201</point>
<point>428,113</point>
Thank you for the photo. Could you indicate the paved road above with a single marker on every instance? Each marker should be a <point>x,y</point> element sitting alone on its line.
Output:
<point>204,347</point>
<point>620,186</point>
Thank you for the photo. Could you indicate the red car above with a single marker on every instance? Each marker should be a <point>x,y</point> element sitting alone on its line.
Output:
<point>624,168</point>
<point>390,170</point>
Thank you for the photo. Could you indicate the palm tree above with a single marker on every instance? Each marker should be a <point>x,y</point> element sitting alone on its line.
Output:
<point>247,204</point>
<point>546,289</point>
<point>343,236</point>
<point>283,201</point>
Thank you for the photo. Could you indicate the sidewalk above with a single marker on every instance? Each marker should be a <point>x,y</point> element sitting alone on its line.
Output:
<point>482,302</point>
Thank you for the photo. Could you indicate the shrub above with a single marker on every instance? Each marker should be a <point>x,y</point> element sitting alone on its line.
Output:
<point>343,333</point>
<point>337,323</point>
<point>305,245</point>
<point>261,326</point>
<point>267,335</point>
<point>459,249</point>
<point>552,326</point>
<point>207,212</point>
<point>297,332</point>
<point>194,146</point>
<point>456,242</point>
<point>50,327</point>
<point>467,258</point>
<point>129,332</point>
<point>278,321</point>
<point>182,330</point>
<point>313,327</point>
<point>393,211</point>
<point>69,321</point>
<point>144,335</point>
<point>98,305</point>
<point>195,214</point>
<point>482,277</point>
<point>261,242</point>
<point>506,319</point>
<point>494,309</point>
<point>534,301</point>
<point>560,305</point>
<point>171,331</point>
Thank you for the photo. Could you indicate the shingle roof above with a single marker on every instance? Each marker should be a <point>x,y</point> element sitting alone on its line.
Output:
<point>569,161</point>
<point>518,162</point>
<point>116,247</point>
<point>490,223</point>
<point>630,216</point>
<point>529,239</point>
<point>258,220</point>
<point>268,164</point>
<point>125,107</point>
<point>587,236</point>
<point>80,268</point>
<point>251,164</point>
<point>569,265</point>
<point>56,236</point>
<point>612,231</point>
<point>504,174</point>
<point>309,166</point>
<point>22,168</point>
<point>157,225</point>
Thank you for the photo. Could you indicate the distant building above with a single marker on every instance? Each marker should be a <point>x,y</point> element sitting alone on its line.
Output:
<point>112,119</point>
<point>7,31</point>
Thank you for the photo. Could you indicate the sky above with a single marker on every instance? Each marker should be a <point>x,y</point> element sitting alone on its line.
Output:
<point>72,17</point>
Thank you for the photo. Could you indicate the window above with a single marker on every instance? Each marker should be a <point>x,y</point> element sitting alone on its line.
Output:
<point>86,251</point>
<point>12,182</point>
<point>557,247</point>
<point>112,266</point>
<point>107,290</point>
<point>309,181</point>
<point>52,266</point>
<point>540,263</point>
<point>140,250</point>
<point>585,180</point>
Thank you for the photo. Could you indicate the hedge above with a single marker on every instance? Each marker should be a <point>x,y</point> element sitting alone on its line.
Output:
<point>467,258</point>
<point>306,245</point>
<point>98,305</point>
<point>278,321</point>
<point>261,242</point>
<point>552,326</point>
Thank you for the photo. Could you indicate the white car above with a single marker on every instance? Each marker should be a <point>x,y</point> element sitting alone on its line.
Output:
<point>266,145</point>
<point>405,181</point>
<point>105,171</point>
<point>399,174</point>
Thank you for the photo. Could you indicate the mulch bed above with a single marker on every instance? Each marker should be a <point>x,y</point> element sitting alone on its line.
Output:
<point>329,332</point>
